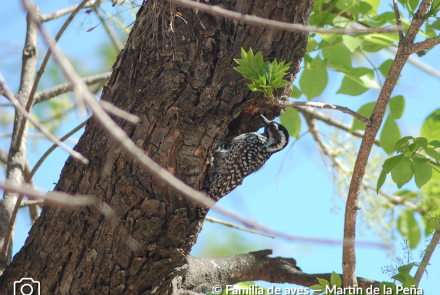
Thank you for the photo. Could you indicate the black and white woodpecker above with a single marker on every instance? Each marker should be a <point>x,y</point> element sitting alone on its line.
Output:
<point>244,155</point>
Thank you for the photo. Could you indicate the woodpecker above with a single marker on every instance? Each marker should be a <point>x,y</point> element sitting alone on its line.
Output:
<point>244,155</point>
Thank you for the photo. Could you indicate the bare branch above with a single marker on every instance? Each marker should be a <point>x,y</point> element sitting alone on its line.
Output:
<point>67,87</point>
<point>111,33</point>
<point>398,23</point>
<point>18,148</point>
<point>112,109</point>
<point>254,266</point>
<point>349,257</point>
<point>230,224</point>
<point>428,254</point>
<point>36,136</point>
<point>36,123</point>
<point>322,105</point>
<point>47,153</point>
<point>254,20</point>
<point>31,203</point>
<point>67,10</point>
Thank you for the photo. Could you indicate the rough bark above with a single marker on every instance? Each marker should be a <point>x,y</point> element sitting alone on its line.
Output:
<point>189,98</point>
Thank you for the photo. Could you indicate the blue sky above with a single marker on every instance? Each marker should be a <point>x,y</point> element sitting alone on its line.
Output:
<point>297,201</point>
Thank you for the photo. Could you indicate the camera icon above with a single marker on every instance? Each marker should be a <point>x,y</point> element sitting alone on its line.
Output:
<point>26,286</point>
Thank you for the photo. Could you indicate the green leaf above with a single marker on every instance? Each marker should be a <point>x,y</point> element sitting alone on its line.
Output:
<point>403,172</point>
<point>422,174</point>
<point>431,126</point>
<point>402,143</point>
<point>436,24</point>
<point>420,161</point>
<point>435,143</point>
<point>397,106</point>
<point>351,87</point>
<point>433,154</point>
<point>366,110</point>
<point>390,135</point>
<point>352,42</point>
<point>410,229</point>
<point>338,57</point>
<point>317,287</point>
<point>313,82</point>
<point>421,142</point>
<point>385,67</point>
<point>296,93</point>
<point>413,4</point>
<point>392,162</point>
<point>374,3</point>
<point>429,31</point>
<point>323,282</point>
<point>381,180</point>
<point>335,279</point>
<point>291,120</point>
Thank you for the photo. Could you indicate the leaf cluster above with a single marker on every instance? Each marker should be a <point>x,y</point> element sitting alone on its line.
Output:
<point>410,162</point>
<point>324,285</point>
<point>265,76</point>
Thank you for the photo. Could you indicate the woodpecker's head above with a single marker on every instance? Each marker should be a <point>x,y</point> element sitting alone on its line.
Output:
<point>277,135</point>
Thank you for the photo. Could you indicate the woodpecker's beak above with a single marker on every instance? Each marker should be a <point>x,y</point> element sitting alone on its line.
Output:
<point>265,120</point>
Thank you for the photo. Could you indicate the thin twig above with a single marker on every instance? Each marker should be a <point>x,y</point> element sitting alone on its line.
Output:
<point>64,11</point>
<point>31,203</point>
<point>50,150</point>
<point>352,206</point>
<point>46,94</point>
<point>332,122</point>
<point>120,137</point>
<point>230,224</point>
<point>37,136</point>
<point>36,123</point>
<point>428,254</point>
<point>111,33</point>
<point>254,20</point>
<point>423,45</point>
<point>322,105</point>
<point>112,109</point>
<point>397,14</point>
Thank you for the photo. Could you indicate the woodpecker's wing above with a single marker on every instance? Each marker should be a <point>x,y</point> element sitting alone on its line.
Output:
<point>243,160</point>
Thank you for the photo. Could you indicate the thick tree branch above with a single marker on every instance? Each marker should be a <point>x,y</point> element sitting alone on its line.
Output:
<point>254,20</point>
<point>34,212</point>
<point>322,105</point>
<point>352,206</point>
<point>17,151</point>
<point>67,87</point>
<point>255,266</point>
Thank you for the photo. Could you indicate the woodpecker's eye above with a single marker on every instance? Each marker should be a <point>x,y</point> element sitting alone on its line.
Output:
<point>272,126</point>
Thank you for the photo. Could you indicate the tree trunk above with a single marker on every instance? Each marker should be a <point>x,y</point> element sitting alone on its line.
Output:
<point>180,81</point>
